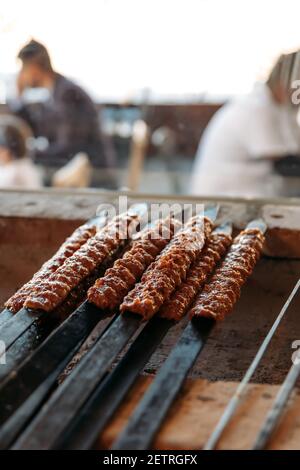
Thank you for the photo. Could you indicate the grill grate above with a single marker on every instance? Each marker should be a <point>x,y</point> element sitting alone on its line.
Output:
<point>239,394</point>
<point>39,415</point>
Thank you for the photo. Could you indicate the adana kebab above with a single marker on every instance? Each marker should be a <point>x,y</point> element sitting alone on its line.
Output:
<point>109,291</point>
<point>221,293</point>
<point>105,400</point>
<point>238,263</point>
<point>169,270</point>
<point>216,246</point>
<point>52,291</point>
<point>78,238</point>
<point>67,400</point>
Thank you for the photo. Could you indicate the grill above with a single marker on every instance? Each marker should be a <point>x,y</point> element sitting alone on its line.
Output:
<point>130,389</point>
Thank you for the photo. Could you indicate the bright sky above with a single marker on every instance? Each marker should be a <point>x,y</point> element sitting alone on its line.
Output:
<point>117,47</point>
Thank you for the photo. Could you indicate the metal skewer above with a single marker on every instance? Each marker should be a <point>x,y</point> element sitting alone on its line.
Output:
<point>93,417</point>
<point>68,399</point>
<point>36,368</point>
<point>15,325</point>
<point>74,391</point>
<point>141,428</point>
<point>39,330</point>
<point>25,345</point>
<point>18,332</point>
<point>18,324</point>
<point>140,431</point>
<point>18,348</point>
<point>90,421</point>
<point>238,396</point>
<point>5,315</point>
<point>278,408</point>
<point>53,355</point>
<point>10,430</point>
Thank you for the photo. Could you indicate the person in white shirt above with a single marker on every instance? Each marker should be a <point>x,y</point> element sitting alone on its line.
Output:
<point>243,139</point>
<point>16,168</point>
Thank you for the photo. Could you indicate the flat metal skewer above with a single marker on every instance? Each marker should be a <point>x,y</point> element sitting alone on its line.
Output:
<point>36,368</point>
<point>91,420</point>
<point>238,396</point>
<point>17,325</point>
<point>156,402</point>
<point>140,431</point>
<point>39,330</point>
<point>25,345</point>
<point>14,325</point>
<point>278,408</point>
<point>5,315</point>
<point>11,429</point>
<point>66,401</point>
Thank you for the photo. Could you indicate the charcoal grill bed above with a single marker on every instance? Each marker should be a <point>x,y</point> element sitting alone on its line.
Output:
<point>228,351</point>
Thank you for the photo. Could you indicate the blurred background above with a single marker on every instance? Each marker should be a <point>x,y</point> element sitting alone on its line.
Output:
<point>156,72</point>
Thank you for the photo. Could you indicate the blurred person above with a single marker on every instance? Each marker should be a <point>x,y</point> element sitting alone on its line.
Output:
<point>16,168</point>
<point>65,120</point>
<point>75,174</point>
<point>252,143</point>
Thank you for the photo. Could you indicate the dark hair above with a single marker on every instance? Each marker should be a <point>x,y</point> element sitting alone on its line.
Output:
<point>12,139</point>
<point>36,53</point>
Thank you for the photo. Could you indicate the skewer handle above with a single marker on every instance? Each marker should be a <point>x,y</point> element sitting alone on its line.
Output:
<point>258,223</point>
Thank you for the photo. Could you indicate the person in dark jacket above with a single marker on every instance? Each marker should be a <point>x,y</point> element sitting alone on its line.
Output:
<point>66,117</point>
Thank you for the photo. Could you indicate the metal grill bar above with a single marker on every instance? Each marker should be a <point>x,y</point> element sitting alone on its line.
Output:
<point>238,396</point>
<point>277,409</point>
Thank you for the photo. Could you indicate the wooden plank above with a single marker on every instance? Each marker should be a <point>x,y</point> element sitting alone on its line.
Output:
<point>197,409</point>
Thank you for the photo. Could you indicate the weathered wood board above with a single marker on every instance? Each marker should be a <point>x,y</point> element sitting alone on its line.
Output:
<point>197,409</point>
